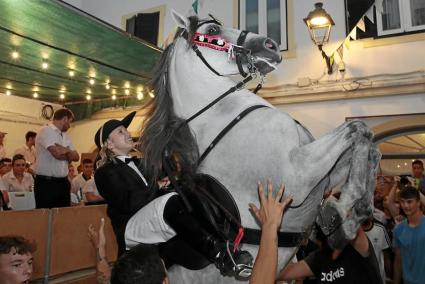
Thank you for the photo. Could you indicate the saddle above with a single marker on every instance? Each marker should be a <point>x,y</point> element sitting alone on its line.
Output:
<point>203,200</point>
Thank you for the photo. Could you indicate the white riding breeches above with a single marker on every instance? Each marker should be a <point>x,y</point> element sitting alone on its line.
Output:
<point>148,225</point>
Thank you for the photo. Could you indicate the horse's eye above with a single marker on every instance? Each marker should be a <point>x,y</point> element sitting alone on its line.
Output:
<point>213,30</point>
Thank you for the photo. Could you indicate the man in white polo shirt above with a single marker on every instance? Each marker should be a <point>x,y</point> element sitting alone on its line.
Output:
<point>17,180</point>
<point>54,150</point>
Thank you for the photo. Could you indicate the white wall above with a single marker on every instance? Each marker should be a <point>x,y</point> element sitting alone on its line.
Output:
<point>321,117</point>
<point>17,116</point>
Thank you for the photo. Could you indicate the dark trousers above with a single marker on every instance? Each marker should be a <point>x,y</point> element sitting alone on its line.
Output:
<point>52,192</point>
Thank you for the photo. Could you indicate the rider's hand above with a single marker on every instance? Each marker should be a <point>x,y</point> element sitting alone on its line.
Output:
<point>271,209</point>
<point>164,182</point>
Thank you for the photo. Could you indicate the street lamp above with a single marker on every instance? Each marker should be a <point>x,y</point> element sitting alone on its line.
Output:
<point>319,24</point>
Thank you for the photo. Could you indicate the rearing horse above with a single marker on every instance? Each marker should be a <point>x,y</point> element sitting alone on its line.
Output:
<point>195,99</point>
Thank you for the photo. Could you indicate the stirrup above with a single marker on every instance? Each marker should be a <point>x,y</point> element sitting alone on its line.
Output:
<point>240,271</point>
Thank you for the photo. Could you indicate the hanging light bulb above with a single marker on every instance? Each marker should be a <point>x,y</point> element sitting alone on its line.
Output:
<point>127,85</point>
<point>140,96</point>
<point>35,95</point>
<point>14,54</point>
<point>107,86</point>
<point>35,89</point>
<point>71,73</point>
<point>44,65</point>
<point>91,81</point>
<point>88,91</point>
<point>88,97</point>
<point>114,91</point>
<point>114,97</point>
<point>151,94</point>
<point>62,96</point>
<point>8,92</point>
<point>127,92</point>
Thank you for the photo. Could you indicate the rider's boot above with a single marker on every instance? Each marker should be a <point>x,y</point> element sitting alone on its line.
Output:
<point>230,262</point>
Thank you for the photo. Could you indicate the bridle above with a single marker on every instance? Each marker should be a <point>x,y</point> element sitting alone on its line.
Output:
<point>235,51</point>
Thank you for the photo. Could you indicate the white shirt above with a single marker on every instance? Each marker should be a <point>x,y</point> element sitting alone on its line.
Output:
<point>380,240</point>
<point>12,184</point>
<point>28,153</point>
<point>46,164</point>
<point>2,152</point>
<point>90,186</point>
<point>77,186</point>
<point>2,186</point>
<point>134,167</point>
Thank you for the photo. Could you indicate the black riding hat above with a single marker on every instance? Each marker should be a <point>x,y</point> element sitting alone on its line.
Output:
<point>109,126</point>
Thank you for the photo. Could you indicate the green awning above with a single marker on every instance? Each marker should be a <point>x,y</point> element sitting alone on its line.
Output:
<point>68,39</point>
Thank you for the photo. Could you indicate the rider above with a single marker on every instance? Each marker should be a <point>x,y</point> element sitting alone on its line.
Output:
<point>159,218</point>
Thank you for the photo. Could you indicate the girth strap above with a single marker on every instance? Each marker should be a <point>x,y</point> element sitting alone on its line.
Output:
<point>227,129</point>
<point>285,239</point>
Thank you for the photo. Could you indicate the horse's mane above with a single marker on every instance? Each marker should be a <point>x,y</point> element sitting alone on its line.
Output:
<point>163,129</point>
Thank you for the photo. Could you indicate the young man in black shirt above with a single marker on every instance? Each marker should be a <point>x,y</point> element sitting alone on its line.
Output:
<point>356,263</point>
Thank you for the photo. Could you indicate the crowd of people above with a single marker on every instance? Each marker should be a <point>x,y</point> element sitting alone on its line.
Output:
<point>43,166</point>
<point>389,246</point>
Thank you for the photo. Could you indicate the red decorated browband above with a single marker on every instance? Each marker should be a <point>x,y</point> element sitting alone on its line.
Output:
<point>210,41</point>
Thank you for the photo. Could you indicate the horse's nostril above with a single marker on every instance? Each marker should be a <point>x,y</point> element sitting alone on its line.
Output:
<point>270,44</point>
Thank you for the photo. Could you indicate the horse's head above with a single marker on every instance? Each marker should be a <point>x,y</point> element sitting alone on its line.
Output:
<point>228,51</point>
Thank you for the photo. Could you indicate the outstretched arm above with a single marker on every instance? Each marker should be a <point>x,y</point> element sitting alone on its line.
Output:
<point>270,216</point>
<point>103,272</point>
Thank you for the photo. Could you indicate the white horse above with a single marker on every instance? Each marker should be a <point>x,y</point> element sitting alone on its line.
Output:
<point>265,143</point>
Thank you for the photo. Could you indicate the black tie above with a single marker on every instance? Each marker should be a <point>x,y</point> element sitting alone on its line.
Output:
<point>134,159</point>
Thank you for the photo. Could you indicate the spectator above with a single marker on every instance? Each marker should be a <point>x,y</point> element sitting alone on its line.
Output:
<point>4,197</point>
<point>356,263</point>
<point>378,236</point>
<point>15,260</point>
<point>28,150</point>
<point>142,264</point>
<point>81,179</point>
<point>409,240</point>
<point>98,239</point>
<point>17,179</point>
<point>5,166</point>
<point>417,172</point>
<point>71,172</point>
<point>91,194</point>
<point>54,151</point>
<point>2,148</point>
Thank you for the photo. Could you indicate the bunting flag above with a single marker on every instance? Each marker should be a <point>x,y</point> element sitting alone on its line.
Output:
<point>361,25</point>
<point>338,54</point>
<point>195,6</point>
<point>369,14</point>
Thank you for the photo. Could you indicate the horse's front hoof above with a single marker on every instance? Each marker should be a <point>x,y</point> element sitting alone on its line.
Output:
<point>330,222</point>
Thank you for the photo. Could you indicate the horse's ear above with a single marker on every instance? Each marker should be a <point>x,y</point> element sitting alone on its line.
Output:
<point>180,20</point>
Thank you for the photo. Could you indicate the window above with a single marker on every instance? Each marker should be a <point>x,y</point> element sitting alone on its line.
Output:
<point>265,17</point>
<point>147,24</point>
<point>399,16</point>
